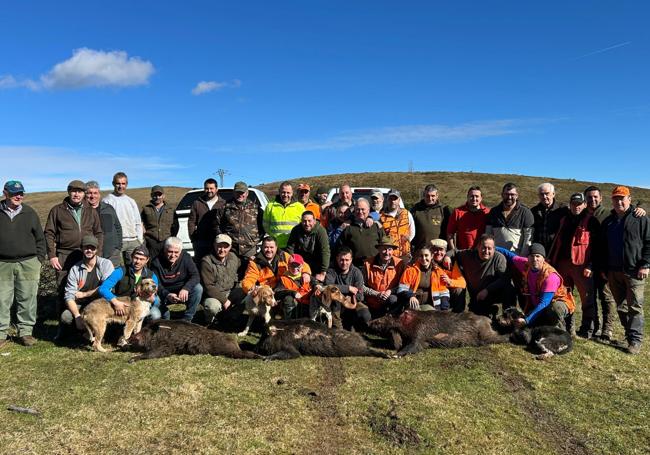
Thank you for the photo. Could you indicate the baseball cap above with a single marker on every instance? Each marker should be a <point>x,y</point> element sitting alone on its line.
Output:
<point>14,186</point>
<point>157,189</point>
<point>322,190</point>
<point>394,193</point>
<point>89,240</point>
<point>223,238</point>
<point>577,198</point>
<point>296,259</point>
<point>304,186</point>
<point>141,250</point>
<point>376,194</point>
<point>621,191</point>
<point>76,185</point>
<point>241,187</point>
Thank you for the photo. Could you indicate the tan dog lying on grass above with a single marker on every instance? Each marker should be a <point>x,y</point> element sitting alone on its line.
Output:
<point>258,303</point>
<point>99,313</point>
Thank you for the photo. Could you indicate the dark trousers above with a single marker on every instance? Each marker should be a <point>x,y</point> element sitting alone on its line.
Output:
<point>628,294</point>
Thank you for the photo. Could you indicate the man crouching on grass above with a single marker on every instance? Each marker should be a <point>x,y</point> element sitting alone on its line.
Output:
<point>547,300</point>
<point>83,281</point>
<point>123,280</point>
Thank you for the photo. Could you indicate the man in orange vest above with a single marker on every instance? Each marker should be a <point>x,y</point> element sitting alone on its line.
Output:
<point>571,254</point>
<point>399,225</point>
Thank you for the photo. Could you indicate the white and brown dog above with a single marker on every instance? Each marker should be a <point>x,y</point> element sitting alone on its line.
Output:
<point>258,303</point>
<point>99,313</point>
<point>321,304</point>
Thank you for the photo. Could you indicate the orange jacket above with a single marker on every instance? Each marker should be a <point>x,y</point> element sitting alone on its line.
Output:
<point>379,279</point>
<point>260,271</point>
<point>561,294</point>
<point>313,208</point>
<point>398,229</point>
<point>305,290</point>
<point>411,279</point>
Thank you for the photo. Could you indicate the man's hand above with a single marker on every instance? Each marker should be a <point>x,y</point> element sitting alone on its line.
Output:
<point>587,273</point>
<point>119,307</point>
<point>369,222</point>
<point>172,298</point>
<point>320,276</point>
<point>384,295</point>
<point>643,273</point>
<point>414,303</point>
<point>54,262</point>
<point>80,295</point>
<point>482,295</point>
<point>445,279</point>
<point>297,296</point>
<point>306,278</point>
<point>519,323</point>
<point>353,290</point>
<point>446,262</point>
<point>639,212</point>
<point>183,295</point>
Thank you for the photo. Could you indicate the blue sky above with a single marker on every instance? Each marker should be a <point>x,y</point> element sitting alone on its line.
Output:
<point>171,92</point>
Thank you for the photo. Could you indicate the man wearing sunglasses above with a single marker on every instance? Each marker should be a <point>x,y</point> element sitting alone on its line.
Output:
<point>22,244</point>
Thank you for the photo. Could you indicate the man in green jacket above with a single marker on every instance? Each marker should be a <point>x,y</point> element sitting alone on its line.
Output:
<point>21,246</point>
<point>309,240</point>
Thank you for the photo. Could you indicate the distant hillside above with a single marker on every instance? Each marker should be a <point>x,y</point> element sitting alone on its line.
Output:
<point>452,185</point>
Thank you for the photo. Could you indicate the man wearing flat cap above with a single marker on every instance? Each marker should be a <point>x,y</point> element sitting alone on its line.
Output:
<point>625,261</point>
<point>158,221</point>
<point>22,247</point>
<point>67,223</point>
<point>82,284</point>
<point>547,300</point>
<point>572,255</point>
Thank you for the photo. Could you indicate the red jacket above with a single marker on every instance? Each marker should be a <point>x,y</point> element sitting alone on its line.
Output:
<point>467,225</point>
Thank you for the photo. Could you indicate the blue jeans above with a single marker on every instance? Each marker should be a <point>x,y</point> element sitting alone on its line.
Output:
<point>158,312</point>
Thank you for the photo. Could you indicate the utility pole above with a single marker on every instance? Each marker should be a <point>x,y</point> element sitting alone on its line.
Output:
<point>411,166</point>
<point>221,173</point>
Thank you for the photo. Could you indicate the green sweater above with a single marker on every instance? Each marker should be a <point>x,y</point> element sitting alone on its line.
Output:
<point>22,238</point>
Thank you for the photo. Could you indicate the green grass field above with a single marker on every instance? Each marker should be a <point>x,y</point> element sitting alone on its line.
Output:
<point>495,399</point>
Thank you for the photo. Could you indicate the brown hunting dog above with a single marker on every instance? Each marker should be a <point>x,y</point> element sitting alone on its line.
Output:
<point>327,302</point>
<point>99,313</point>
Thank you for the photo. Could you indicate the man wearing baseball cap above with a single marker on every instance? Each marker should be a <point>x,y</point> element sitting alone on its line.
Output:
<point>158,221</point>
<point>220,279</point>
<point>82,283</point>
<point>304,192</point>
<point>625,259</point>
<point>21,246</point>
<point>242,221</point>
<point>572,256</point>
<point>67,223</point>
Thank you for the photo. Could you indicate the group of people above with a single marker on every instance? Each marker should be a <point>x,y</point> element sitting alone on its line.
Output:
<point>384,257</point>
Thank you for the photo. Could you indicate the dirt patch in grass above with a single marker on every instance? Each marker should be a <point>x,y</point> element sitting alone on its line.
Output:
<point>548,424</point>
<point>388,426</point>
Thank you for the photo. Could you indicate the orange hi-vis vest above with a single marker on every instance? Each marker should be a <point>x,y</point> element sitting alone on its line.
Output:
<point>561,294</point>
<point>398,229</point>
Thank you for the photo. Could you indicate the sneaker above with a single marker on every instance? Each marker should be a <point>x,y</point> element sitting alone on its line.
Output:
<point>633,348</point>
<point>27,341</point>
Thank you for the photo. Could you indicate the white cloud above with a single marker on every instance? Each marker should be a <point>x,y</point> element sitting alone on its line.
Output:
<point>89,68</point>
<point>409,134</point>
<point>212,86</point>
<point>57,166</point>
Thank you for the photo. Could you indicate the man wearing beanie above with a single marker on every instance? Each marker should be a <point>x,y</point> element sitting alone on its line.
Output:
<point>547,300</point>
<point>67,223</point>
<point>625,261</point>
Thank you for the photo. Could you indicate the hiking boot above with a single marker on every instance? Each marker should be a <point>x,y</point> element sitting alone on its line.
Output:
<point>633,348</point>
<point>606,336</point>
<point>583,334</point>
<point>618,344</point>
<point>27,341</point>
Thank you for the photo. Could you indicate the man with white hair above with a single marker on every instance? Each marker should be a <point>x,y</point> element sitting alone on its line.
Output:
<point>359,237</point>
<point>547,215</point>
<point>179,280</point>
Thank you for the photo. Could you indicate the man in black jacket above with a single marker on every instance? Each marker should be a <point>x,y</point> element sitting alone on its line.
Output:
<point>179,280</point>
<point>625,256</point>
